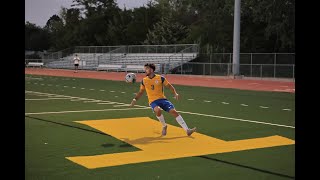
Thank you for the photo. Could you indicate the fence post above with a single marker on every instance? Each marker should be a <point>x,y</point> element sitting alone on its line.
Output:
<point>181,62</point>
<point>261,71</point>
<point>203,68</point>
<point>293,71</point>
<point>251,65</point>
<point>275,62</point>
<point>210,63</point>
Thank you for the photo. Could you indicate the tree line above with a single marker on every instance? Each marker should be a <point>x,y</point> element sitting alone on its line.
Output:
<point>266,25</point>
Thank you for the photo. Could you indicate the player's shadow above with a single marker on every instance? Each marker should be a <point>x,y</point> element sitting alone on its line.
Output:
<point>107,145</point>
<point>125,145</point>
<point>149,140</point>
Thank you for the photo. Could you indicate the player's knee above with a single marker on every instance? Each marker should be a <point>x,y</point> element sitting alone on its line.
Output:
<point>157,110</point>
<point>174,112</point>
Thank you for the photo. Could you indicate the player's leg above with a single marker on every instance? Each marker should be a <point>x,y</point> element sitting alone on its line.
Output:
<point>156,109</point>
<point>159,115</point>
<point>169,107</point>
<point>181,121</point>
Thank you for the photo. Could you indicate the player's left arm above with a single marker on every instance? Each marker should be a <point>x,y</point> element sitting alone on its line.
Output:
<point>172,89</point>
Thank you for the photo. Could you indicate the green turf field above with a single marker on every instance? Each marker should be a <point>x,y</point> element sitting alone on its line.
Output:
<point>53,104</point>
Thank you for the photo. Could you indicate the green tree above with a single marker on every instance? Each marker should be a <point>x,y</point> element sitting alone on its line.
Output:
<point>166,32</point>
<point>36,38</point>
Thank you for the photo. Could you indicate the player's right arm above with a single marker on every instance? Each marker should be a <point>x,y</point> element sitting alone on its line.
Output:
<point>138,95</point>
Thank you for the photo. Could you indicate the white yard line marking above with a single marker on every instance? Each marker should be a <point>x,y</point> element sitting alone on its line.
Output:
<point>199,114</point>
<point>280,90</point>
<point>93,110</point>
<point>286,109</point>
<point>190,99</point>
<point>53,96</point>
<point>92,101</point>
<point>44,99</point>
<point>243,104</point>
<point>237,119</point>
<point>224,103</point>
<point>77,99</point>
<point>102,90</point>
<point>33,78</point>
<point>206,101</point>
<point>42,95</point>
<point>121,105</point>
<point>107,103</point>
<point>264,107</point>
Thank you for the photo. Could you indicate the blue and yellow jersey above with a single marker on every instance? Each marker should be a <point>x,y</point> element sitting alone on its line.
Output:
<point>154,87</point>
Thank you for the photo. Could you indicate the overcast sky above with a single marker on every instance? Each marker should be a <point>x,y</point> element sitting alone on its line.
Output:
<point>39,11</point>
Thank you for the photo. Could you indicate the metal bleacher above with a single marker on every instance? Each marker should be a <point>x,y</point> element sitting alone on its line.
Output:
<point>127,58</point>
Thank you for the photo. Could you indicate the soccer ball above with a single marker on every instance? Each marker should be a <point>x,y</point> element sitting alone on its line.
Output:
<point>131,78</point>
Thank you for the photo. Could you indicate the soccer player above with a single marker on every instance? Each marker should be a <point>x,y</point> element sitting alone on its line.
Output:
<point>76,61</point>
<point>153,85</point>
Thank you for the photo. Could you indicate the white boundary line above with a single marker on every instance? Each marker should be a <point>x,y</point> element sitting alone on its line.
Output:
<point>34,92</point>
<point>237,119</point>
<point>121,105</point>
<point>93,110</point>
<point>92,101</point>
<point>264,107</point>
<point>145,107</point>
<point>43,99</point>
<point>108,103</point>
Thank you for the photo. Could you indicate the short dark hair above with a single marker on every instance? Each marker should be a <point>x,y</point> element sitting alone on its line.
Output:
<point>150,65</point>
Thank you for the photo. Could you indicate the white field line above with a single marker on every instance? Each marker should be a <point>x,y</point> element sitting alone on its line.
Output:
<point>121,105</point>
<point>199,114</point>
<point>237,119</point>
<point>91,110</point>
<point>44,99</point>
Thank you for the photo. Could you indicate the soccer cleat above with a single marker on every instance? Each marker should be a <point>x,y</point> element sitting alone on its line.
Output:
<point>190,131</point>
<point>164,130</point>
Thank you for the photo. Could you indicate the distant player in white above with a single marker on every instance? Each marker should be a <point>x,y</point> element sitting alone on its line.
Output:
<point>76,61</point>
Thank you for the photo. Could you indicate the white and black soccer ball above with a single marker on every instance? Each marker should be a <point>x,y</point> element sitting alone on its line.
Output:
<point>131,78</point>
